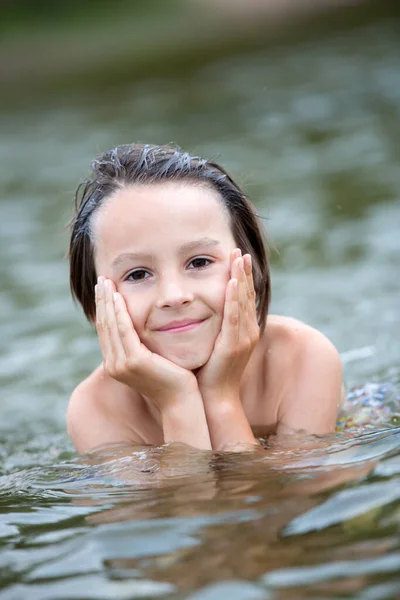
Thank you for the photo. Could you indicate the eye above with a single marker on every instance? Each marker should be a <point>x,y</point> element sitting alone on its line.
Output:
<point>137,275</point>
<point>199,262</point>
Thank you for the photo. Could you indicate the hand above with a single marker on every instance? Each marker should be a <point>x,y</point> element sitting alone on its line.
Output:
<point>128,360</point>
<point>221,375</point>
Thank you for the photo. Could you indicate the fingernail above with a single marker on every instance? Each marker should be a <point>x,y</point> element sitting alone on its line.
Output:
<point>247,259</point>
<point>100,280</point>
<point>115,297</point>
<point>107,285</point>
<point>241,263</point>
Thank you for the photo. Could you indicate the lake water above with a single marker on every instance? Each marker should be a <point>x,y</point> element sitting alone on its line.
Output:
<point>312,131</point>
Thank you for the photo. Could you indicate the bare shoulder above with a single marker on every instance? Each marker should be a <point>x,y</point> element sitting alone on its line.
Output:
<point>310,368</point>
<point>296,338</point>
<point>88,395</point>
<point>100,412</point>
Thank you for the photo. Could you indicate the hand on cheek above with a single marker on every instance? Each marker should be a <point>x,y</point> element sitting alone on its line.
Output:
<point>127,359</point>
<point>239,334</point>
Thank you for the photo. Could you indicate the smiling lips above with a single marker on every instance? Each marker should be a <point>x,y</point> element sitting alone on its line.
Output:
<point>181,326</point>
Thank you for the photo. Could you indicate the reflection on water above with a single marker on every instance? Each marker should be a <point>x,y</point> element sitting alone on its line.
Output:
<point>312,132</point>
<point>174,519</point>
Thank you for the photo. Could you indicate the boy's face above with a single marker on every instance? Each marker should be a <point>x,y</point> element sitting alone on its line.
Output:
<point>166,246</point>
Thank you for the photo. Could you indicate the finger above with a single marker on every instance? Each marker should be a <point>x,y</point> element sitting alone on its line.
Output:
<point>234,255</point>
<point>242,285</point>
<point>117,352</point>
<point>248,325</point>
<point>101,325</point>
<point>251,294</point>
<point>253,326</point>
<point>243,301</point>
<point>129,338</point>
<point>238,273</point>
<point>230,322</point>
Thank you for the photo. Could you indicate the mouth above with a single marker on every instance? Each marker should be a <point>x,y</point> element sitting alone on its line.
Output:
<point>181,326</point>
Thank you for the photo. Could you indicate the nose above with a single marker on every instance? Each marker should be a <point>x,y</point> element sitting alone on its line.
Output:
<point>173,292</point>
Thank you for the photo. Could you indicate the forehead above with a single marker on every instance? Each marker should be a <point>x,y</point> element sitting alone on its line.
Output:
<point>143,215</point>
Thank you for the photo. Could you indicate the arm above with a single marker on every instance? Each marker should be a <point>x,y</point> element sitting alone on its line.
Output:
<point>90,425</point>
<point>184,420</point>
<point>172,389</point>
<point>219,380</point>
<point>227,423</point>
<point>110,442</point>
<point>313,399</point>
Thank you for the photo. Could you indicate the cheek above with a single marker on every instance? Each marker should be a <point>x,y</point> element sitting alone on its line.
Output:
<point>136,307</point>
<point>217,293</point>
<point>219,303</point>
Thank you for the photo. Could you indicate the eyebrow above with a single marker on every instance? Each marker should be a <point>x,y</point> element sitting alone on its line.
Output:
<point>205,242</point>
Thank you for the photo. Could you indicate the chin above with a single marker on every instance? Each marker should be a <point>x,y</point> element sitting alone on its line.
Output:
<point>189,362</point>
<point>190,355</point>
<point>186,357</point>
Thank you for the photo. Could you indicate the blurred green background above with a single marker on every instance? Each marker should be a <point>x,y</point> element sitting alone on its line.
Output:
<point>75,47</point>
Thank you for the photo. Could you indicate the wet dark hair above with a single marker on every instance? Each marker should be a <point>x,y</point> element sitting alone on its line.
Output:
<point>146,164</point>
